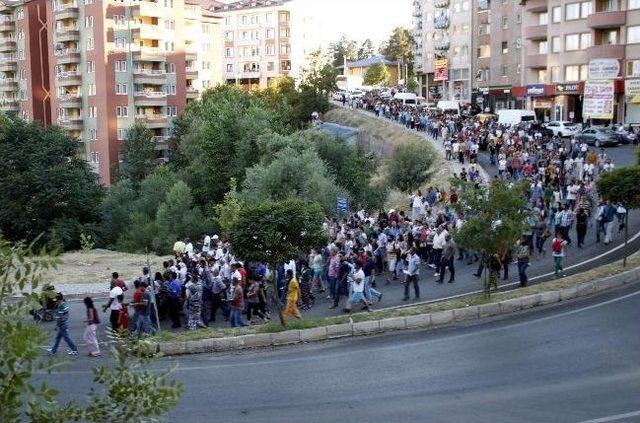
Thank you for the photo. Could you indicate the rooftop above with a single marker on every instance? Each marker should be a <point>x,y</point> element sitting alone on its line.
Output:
<point>340,131</point>
<point>249,4</point>
<point>370,61</point>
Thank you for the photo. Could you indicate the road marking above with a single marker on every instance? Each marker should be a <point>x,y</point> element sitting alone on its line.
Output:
<point>480,291</point>
<point>613,418</point>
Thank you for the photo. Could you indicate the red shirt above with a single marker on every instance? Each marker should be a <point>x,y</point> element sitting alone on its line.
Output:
<point>243,274</point>
<point>137,298</point>
<point>119,282</point>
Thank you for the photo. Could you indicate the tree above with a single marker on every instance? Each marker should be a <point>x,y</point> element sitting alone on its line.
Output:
<point>344,49</point>
<point>227,212</point>
<point>366,50</point>
<point>125,392</point>
<point>319,74</point>
<point>622,186</point>
<point>275,232</point>
<point>494,218</point>
<point>410,166</point>
<point>138,153</point>
<point>399,47</point>
<point>376,74</point>
<point>116,211</point>
<point>45,186</point>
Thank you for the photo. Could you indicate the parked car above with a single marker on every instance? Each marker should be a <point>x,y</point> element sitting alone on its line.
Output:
<point>599,137</point>
<point>626,134</point>
<point>337,96</point>
<point>563,128</point>
<point>536,126</point>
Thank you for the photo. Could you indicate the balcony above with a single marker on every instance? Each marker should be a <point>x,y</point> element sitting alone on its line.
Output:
<point>151,54</point>
<point>8,84</point>
<point>146,32</point>
<point>441,46</point>
<point>150,98</point>
<point>441,22</point>
<point>7,44</point>
<point>67,55</point>
<point>441,4</point>
<point>69,78</point>
<point>8,63</point>
<point>150,9</point>
<point>67,33</point>
<point>7,23</point>
<point>9,105</point>
<point>154,121</point>
<point>192,73</point>
<point>71,123</point>
<point>536,6</point>
<point>191,53</point>
<point>72,101</point>
<point>536,61</point>
<point>535,32</point>
<point>192,93</point>
<point>603,20</point>
<point>160,138</point>
<point>608,51</point>
<point>66,11</point>
<point>149,76</point>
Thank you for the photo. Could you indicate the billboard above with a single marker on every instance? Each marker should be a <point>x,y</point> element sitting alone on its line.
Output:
<point>604,69</point>
<point>598,100</point>
<point>442,70</point>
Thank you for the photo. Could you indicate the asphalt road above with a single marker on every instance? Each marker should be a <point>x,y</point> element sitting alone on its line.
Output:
<point>570,363</point>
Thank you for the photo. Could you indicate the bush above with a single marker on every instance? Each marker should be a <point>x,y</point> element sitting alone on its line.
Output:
<point>411,166</point>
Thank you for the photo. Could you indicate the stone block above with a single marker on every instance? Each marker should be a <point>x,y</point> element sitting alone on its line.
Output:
<point>366,328</point>
<point>286,337</point>
<point>612,282</point>
<point>393,323</point>
<point>530,301</point>
<point>568,293</point>
<point>509,306</point>
<point>549,297</point>
<point>418,321</point>
<point>314,334</point>
<point>339,331</point>
<point>440,318</point>
<point>465,313</point>
<point>491,309</point>
<point>585,289</point>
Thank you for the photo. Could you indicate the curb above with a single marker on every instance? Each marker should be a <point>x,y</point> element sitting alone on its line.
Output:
<point>418,321</point>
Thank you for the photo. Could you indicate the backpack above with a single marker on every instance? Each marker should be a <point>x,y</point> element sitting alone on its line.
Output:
<point>556,246</point>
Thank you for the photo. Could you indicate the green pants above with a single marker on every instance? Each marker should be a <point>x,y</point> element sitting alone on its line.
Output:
<point>558,264</point>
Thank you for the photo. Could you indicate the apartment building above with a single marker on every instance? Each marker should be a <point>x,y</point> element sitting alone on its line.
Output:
<point>264,39</point>
<point>573,45</point>
<point>95,66</point>
<point>497,53</point>
<point>442,35</point>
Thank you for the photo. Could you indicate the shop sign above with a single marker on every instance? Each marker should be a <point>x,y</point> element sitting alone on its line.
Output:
<point>442,70</point>
<point>568,88</point>
<point>632,91</point>
<point>598,100</point>
<point>542,103</point>
<point>603,69</point>
<point>535,90</point>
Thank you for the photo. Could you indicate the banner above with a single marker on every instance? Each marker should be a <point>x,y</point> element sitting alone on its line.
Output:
<point>442,70</point>
<point>598,100</point>
<point>604,68</point>
<point>632,91</point>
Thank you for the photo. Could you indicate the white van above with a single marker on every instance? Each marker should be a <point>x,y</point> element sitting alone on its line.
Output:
<point>515,116</point>
<point>407,99</point>
<point>449,106</point>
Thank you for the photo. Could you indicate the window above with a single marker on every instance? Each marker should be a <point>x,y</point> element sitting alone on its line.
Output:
<point>92,112</point>
<point>228,35</point>
<point>633,4</point>
<point>572,73</point>
<point>542,75</point>
<point>556,14</point>
<point>505,47</point>
<point>269,17</point>
<point>484,51</point>
<point>169,46</point>
<point>88,22</point>
<point>518,18</point>
<point>633,34</point>
<point>518,68</point>
<point>465,6</point>
<point>505,22</point>
<point>456,8</point>
<point>20,34</point>
<point>90,43</point>
<point>504,70</point>
<point>122,111</point>
<point>122,134</point>
<point>572,42</point>
<point>270,49</point>
<point>584,72</point>
<point>229,67</point>
<point>91,66</point>
<point>121,89</point>
<point>572,11</point>
<point>585,40</point>
<point>270,34</point>
<point>93,136</point>
<point>609,37</point>
<point>121,65</point>
<point>556,44</point>
<point>170,68</point>
<point>285,65</point>
<point>555,74</point>
<point>543,18</point>
<point>543,47</point>
<point>585,9</point>
<point>270,66</point>
<point>228,52</point>
<point>633,68</point>
<point>518,43</point>
<point>91,89</point>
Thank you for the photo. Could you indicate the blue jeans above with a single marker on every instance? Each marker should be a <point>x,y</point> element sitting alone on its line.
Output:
<point>369,291</point>
<point>63,333</point>
<point>143,324</point>
<point>522,272</point>
<point>331,280</point>
<point>235,318</point>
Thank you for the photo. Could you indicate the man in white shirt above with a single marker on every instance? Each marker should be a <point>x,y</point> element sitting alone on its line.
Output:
<point>114,305</point>
<point>413,274</point>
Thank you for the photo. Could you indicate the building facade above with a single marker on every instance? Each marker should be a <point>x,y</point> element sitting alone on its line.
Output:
<point>443,42</point>
<point>360,68</point>
<point>264,39</point>
<point>572,45</point>
<point>93,67</point>
<point>497,53</point>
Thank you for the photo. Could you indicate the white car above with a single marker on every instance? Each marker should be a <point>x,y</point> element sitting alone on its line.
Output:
<point>337,96</point>
<point>563,128</point>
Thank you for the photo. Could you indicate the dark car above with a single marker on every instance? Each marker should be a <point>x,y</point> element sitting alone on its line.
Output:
<point>539,127</point>
<point>599,137</point>
<point>626,134</point>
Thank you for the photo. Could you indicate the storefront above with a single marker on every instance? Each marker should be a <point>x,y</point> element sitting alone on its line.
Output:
<point>632,101</point>
<point>568,102</point>
<point>540,100</point>
<point>495,98</point>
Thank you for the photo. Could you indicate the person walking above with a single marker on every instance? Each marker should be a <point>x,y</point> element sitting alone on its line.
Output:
<point>237,304</point>
<point>173,299</point>
<point>557,251</point>
<point>90,331</point>
<point>293,294</point>
<point>413,274</point>
<point>582,220</point>
<point>447,261</point>
<point>114,304</point>
<point>62,327</point>
<point>608,215</point>
<point>523,255</point>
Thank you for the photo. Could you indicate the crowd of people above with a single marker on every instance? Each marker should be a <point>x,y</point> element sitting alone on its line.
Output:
<point>205,282</point>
